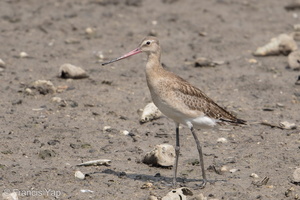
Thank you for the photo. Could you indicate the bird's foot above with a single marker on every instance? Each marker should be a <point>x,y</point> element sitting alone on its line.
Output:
<point>205,181</point>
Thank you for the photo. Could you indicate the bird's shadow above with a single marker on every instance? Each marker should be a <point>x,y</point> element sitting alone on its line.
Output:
<point>158,178</point>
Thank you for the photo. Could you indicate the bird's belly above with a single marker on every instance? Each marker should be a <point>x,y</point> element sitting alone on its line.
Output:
<point>184,116</point>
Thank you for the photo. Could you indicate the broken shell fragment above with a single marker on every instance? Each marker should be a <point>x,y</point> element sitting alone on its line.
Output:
<point>283,44</point>
<point>71,71</point>
<point>150,112</point>
<point>294,60</point>
<point>105,162</point>
<point>287,125</point>
<point>179,193</point>
<point>2,63</point>
<point>161,155</point>
<point>10,196</point>
<point>43,86</point>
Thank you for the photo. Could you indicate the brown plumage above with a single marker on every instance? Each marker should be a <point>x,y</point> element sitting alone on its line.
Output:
<point>178,99</point>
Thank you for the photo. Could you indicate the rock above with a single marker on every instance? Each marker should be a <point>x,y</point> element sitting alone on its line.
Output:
<point>178,194</point>
<point>56,99</point>
<point>71,71</point>
<point>43,86</point>
<point>207,62</point>
<point>222,140</point>
<point>79,175</point>
<point>283,44</point>
<point>161,155</point>
<point>296,175</point>
<point>294,60</point>
<point>287,125</point>
<point>149,113</point>
<point>233,170</point>
<point>9,196</point>
<point>253,175</point>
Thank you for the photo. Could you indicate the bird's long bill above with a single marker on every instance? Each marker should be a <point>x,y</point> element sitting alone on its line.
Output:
<point>131,53</point>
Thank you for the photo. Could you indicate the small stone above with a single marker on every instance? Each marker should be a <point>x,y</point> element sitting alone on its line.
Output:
<point>125,132</point>
<point>147,186</point>
<point>70,71</point>
<point>53,142</point>
<point>252,61</point>
<point>28,91</point>
<point>56,99</point>
<point>89,31</point>
<point>296,176</point>
<point>107,128</point>
<point>23,55</point>
<point>161,155</point>
<point>79,175</point>
<point>222,140</point>
<point>253,175</point>
<point>233,170</point>
<point>224,168</point>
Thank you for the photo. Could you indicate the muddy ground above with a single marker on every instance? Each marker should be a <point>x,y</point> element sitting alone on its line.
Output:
<point>42,140</point>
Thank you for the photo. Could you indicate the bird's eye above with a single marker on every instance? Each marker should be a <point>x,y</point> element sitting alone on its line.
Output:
<point>148,42</point>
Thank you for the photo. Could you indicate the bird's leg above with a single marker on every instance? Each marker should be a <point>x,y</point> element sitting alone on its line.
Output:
<point>177,150</point>
<point>200,155</point>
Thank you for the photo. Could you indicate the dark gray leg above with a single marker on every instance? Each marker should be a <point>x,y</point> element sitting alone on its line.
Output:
<point>177,150</point>
<point>200,155</point>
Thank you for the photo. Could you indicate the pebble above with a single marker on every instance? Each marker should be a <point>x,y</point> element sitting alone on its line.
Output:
<point>107,128</point>
<point>89,31</point>
<point>296,176</point>
<point>43,154</point>
<point>178,194</point>
<point>282,44</point>
<point>10,196</point>
<point>253,175</point>
<point>224,168</point>
<point>23,55</point>
<point>161,155</point>
<point>222,140</point>
<point>125,132</point>
<point>149,113</point>
<point>56,99</point>
<point>71,71</point>
<point>200,197</point>
<point>79,175</point>
<point>294,60</point>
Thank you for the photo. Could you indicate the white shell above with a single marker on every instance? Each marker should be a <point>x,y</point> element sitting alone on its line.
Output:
<point>96,162</point>
<point>150,112</point>
<point>178,194</point>
<point>283,44</point>
<point>222,140</point>
<point>10,196</point>
<point>294,60</point>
